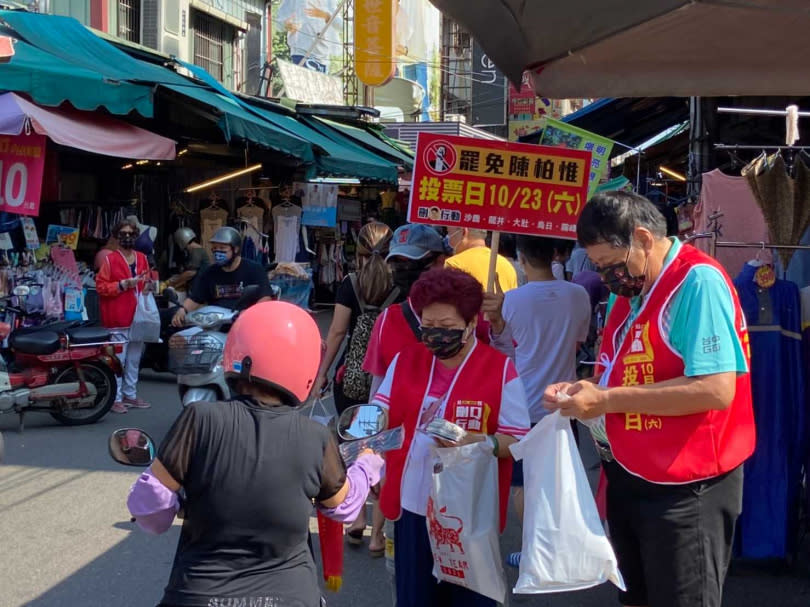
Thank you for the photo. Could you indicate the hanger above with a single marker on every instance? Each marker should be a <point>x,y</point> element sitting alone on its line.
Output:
<point>757,261</point>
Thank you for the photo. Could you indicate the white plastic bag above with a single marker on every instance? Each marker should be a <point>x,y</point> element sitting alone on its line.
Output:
<point>146,322</point>
<point>564,543</point>
<point>463,518</point>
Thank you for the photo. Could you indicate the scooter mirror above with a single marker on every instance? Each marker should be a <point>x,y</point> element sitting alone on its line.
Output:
<point>22,290</point>
<point>132,447</point>
<point>362,421</point>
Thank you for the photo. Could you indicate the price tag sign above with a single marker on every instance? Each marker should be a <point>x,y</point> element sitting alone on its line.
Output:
<point>22,162</point>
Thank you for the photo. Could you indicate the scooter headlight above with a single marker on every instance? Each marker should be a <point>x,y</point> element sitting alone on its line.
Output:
<point>206,320</point>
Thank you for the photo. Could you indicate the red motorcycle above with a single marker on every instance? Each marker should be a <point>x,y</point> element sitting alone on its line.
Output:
<point>60,368</point>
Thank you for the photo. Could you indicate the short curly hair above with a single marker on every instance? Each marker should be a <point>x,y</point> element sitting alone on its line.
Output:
<point>453,287</point>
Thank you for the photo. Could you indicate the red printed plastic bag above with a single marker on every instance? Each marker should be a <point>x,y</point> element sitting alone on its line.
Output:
<point>462,520</point>
<point>564,543</point>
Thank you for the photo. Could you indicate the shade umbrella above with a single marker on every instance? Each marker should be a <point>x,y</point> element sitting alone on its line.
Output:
<point>86,131</point>
<point>644,48</point>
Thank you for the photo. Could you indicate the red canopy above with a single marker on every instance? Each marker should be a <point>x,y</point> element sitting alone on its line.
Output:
<point>95,133</point>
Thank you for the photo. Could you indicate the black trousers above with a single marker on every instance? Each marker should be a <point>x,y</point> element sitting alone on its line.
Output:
<point>673,542</point>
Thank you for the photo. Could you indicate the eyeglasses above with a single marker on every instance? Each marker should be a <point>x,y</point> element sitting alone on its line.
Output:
<point>125,234</point>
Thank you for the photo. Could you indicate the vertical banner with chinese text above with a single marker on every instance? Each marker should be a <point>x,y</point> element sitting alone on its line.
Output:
<point>560,134</point>
<point>374,41</point>
<point>497,185</point>
<point>22,163</point>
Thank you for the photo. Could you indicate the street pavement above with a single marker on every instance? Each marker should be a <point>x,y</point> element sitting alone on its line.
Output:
<point>66,538</point>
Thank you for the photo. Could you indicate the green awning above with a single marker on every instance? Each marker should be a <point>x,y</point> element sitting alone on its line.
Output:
<point>239,124</point>
<point>49,80</point>
<point>69,40</point>
<point>338,158</point>
<point>366,138</point>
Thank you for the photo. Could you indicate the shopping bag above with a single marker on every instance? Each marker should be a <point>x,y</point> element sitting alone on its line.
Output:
<point>146,322</point>
<point>462,520</point>
<point>564,543</point>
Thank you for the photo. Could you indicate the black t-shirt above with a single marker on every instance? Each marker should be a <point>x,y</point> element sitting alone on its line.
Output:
<point>216,287</point>
<point>250,474</point>
<point>346,296</point>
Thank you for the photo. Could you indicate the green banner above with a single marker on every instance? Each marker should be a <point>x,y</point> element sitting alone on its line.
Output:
<point>561,134</point>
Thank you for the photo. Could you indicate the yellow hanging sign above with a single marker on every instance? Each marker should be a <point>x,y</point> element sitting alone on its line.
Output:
<point>374,41</point>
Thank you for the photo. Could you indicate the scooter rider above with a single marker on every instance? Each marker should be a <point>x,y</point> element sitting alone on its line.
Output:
<point>244,537</point>
<point>197,259</point>
<point>223,282</point>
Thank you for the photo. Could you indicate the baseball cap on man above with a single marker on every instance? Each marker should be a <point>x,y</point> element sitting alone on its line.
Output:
<point>415,241</point>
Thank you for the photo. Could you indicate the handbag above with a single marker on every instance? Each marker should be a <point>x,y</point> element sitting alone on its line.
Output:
<point>564,543</point>
<point>146,322</point>
<point>463,520</point>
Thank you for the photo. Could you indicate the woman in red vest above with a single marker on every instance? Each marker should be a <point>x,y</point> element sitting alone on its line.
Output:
<point>670,407</point>
<point>449,375</point>
<point>123,274</point>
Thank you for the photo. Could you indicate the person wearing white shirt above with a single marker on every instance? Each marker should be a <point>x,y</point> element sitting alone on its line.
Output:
<point>311,42</point>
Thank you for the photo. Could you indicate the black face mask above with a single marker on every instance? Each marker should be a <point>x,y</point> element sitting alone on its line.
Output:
<point>618,280</point>
<point>405,277</point>
<point>444,343</point>
<point>126,242</point>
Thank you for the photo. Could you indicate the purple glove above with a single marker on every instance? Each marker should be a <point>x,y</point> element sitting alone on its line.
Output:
<point>152,504</point>
<point>361,475</point>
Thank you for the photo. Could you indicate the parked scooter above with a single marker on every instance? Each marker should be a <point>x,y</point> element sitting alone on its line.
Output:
<point>195,353</point>
<point>61,368</point>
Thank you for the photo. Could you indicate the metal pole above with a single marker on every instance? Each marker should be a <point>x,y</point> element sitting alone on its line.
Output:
<point>762,245</point>
<point>756,112</point>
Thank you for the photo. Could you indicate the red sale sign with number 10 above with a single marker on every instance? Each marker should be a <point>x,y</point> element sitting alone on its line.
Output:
<point>498,185</point>
<point>22,161</point>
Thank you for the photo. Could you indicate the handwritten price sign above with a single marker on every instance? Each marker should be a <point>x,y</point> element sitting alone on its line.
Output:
<point>22,161</point>
<point>499,186</point>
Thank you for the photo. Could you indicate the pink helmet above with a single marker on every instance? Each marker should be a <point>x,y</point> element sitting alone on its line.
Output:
<point>277,344</point>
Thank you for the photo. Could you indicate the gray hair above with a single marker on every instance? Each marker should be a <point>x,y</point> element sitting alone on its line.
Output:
<point>611,217</point>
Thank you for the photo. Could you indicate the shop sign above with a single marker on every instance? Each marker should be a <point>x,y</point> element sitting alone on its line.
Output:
<point>374,41</point>
<point>558,133</point>
<point>488,90</point>
<point>499,186</point>
<point>22,161</point>
<point>310,86</point>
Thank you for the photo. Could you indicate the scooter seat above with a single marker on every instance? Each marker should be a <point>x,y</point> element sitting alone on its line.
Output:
<point>88,335</point>
<point>35,342</point>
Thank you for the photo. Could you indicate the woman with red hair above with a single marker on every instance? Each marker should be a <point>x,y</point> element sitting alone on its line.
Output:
<point>449,375</point>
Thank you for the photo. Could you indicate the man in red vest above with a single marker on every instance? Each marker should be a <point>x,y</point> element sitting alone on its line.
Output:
<point>670,405</point>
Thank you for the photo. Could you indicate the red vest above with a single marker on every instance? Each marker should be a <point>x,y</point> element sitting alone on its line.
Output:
<point>673,449</point>
<point>475,396</point>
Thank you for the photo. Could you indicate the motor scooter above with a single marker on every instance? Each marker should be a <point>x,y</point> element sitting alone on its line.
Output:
<point>195,353</point>
<point>61,368</point>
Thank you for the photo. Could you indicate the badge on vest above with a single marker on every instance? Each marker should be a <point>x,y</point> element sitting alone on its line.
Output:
<point>641,350</point>
<point>472,415</point>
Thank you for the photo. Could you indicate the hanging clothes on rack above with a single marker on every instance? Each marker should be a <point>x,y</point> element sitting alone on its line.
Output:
<point>742,217</point>
<point>287,224</point>
<point>212,218</point>
<point>768,524</point>
<point>254,216</point>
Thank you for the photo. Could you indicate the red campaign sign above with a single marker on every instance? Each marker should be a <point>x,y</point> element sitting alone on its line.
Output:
<point>498,185</point>
<point>22,161</point>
